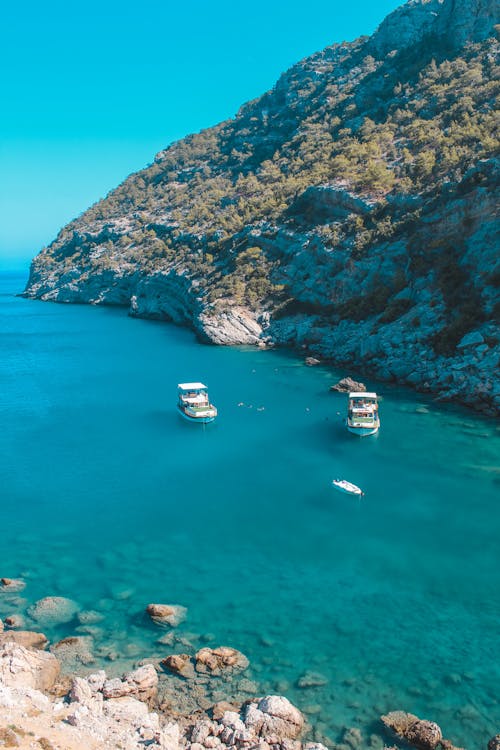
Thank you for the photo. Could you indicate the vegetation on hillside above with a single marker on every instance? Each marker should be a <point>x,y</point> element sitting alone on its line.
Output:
<point>404,125</point>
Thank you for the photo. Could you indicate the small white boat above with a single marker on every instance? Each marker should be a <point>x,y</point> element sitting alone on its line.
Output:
<point>193,403</point>
<point>362,414</point>
<point>348,487</point>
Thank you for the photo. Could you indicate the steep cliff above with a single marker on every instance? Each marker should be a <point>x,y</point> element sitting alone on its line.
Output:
<point>351,209</point>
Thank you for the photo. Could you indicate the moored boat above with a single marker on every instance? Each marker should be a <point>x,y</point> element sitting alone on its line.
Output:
<point>348,487</point>
<point>362,414</point>
<point>193,403</point>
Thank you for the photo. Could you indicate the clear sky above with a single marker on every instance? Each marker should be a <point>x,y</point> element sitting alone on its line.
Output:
<point>90,92</point>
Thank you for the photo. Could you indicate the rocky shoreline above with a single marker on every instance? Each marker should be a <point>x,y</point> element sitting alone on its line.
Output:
<point>393,355</point>
<point>321,218</point>
<point>52,698</point>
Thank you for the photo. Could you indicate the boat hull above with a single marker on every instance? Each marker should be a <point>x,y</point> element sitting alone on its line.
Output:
<point>351,489</point>
<point>198,420</point>
<point>363,431</point>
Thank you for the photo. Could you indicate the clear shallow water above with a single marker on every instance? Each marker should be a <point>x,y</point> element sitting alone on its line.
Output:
<point>110,498</point>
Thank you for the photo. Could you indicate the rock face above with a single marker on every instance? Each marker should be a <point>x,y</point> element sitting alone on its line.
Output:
<point>373,244</point>
<point>21,667</point>
<point>455,22</point>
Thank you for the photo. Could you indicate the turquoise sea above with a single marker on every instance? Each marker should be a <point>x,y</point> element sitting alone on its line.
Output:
<point>108,497</point>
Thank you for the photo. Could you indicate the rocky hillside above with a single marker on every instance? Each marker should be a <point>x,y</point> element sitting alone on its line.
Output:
<point>350,210</point>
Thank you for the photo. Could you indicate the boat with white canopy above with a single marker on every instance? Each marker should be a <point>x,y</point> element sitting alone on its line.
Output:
<point>193,403</point>
<point>362,414</point>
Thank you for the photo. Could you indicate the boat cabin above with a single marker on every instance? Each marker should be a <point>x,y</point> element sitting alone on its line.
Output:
<point>362,402</point>
<point>193,394</point>
<point>362,413</point>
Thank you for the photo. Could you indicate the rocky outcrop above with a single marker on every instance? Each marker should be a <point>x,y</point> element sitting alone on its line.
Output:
<point>239,325</point>
<point>494,743</point>
<point>395,275</point>
<point>455,22</point>
<point>348,385</point>
<point>22,667</point>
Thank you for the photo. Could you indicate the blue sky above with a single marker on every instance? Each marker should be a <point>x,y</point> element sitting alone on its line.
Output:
<point>90,92</point>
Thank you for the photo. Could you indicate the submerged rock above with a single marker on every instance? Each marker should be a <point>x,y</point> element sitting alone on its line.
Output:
<point>14,621</point>
<point>74,651</point>
<point>89,617</point>
<point>167,615</point>
<point>53,610</point>
<point>11,585</point>
<point>423,734</point>
<point>216,660</point>
<point>311,679</point>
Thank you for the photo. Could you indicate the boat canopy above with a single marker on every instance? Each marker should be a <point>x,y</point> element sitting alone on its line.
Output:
<point>192,387</point>
<point>362,394</point>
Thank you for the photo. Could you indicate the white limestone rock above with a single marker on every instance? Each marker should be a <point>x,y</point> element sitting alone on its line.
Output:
<point>274,715</point>
<point>21,667</point>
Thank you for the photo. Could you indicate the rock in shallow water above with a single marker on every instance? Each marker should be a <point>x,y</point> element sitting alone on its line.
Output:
<point>346,385</point>
<point>425,735</point>
<point>53,610</point>
<point>311,679</point>
<point>180,664</point>
<point>74,651</point>
<point>216,660</point>
<point>167,615</point>
<point>14,621</point>
<point>11,585</point>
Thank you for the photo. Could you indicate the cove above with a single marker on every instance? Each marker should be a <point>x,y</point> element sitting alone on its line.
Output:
<point>111,499</point>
